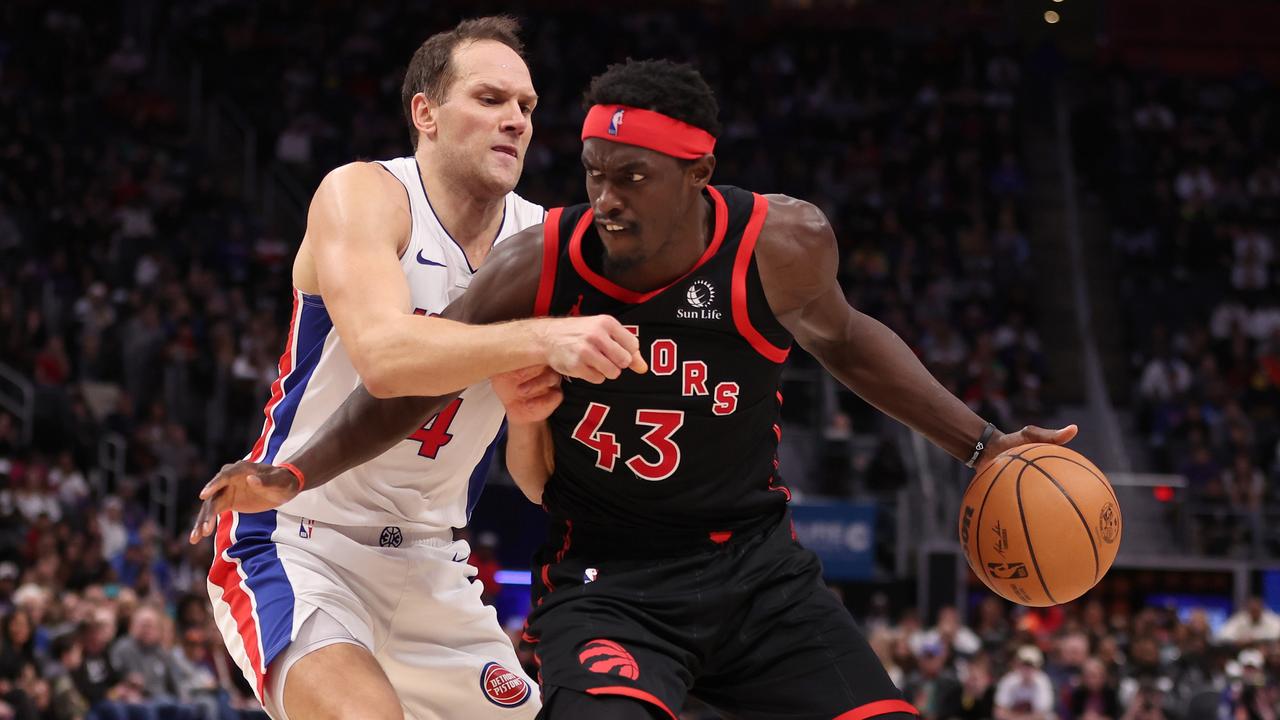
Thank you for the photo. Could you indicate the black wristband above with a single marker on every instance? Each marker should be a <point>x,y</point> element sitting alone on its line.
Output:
<point>981,445</point>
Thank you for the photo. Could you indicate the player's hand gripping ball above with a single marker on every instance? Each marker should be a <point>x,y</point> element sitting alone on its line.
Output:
<point>1040,525</point>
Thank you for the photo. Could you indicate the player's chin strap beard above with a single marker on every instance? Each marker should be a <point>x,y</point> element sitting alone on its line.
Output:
<point>647,129</point>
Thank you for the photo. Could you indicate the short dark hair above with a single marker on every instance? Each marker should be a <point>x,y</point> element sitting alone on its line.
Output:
<point>674,89</point>
<point>431,70</point>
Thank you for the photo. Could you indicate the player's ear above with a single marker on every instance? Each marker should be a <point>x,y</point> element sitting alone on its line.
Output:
<point>423,112</point>
<point>700,171</point>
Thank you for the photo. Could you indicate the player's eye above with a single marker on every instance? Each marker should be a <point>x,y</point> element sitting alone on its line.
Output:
<point>594,173</point>
<point>526,109</point>
<point>489,100</point>
<point>635,177</point>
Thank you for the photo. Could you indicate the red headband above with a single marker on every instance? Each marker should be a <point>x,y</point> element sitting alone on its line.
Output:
<point>647,129</point>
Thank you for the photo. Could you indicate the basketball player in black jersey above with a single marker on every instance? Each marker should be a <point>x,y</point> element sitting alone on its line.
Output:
<point>672,568</point>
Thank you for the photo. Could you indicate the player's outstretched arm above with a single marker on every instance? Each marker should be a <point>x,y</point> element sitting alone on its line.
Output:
<point>365,426</point>
<point>797,256</point>
<point>357,226</point>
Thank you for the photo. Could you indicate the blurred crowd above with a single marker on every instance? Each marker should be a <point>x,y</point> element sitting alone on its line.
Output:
<point>145,298</point>
<point>1083,661</point>
<point>1189,172</point>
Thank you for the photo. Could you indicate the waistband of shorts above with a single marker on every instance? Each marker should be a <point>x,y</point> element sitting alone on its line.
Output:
<point>392,536</point>
<point>639,543</point>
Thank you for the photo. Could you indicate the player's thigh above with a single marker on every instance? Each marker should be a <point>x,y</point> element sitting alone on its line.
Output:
<point>341,681</point>
<point>446,654</point>
<point>566,704</point>
<point>327,671</point>
<point>799,655</point>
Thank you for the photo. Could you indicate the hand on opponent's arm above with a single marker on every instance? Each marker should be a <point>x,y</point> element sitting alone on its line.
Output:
<point>797,257</point>
<point>591,348</point>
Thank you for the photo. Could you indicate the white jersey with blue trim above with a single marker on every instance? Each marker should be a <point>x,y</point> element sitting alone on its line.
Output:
<point>433,478</point>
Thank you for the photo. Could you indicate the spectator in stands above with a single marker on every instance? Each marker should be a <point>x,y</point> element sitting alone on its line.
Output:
<point>97,678</point>
<point>142,651</point>
<point>1025,693</point>
<point>115,536</point>
<point>951,632</point>
<point>933,690</point>
<point>1254,623</point>
<point>67,702</point>
<point>17,644</point>
<point>1147,703</point>
<point>1094,698</point>
<point>978,695</point>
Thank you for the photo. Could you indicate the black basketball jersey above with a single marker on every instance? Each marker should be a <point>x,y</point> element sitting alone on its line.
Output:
<point>692,444</point>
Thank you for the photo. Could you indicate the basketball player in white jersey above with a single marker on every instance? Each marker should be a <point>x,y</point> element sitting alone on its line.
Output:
<point>351,599</point>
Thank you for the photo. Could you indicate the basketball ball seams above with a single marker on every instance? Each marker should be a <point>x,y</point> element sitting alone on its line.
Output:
<point>1028,448</point>
<point>982,566</point>
<point>1026,532</point>
<point>1097,562</point>
<point>1110,491</point>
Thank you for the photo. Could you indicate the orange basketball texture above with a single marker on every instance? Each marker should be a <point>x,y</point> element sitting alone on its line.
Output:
<point>1040,525</point>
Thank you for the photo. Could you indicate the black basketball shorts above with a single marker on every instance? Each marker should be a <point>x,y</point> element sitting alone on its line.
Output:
<point>746,625</point>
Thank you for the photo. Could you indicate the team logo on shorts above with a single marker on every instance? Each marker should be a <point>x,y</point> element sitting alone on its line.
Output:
<point>391,537</point>
<point>615,122</point>
<point>503,687</point>
<point>608,658</point>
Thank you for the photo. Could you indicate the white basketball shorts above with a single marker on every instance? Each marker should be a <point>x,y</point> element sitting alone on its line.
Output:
<point>406,595</point>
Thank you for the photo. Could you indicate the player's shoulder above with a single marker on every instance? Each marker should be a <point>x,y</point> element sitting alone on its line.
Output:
<point>794,215</point>
<point>368,182</point>
<point>793,230</point>
<point>526,213</point>
<point>359,200</point>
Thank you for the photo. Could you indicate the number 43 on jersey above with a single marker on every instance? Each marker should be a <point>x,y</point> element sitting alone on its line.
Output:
<point>662,423</point>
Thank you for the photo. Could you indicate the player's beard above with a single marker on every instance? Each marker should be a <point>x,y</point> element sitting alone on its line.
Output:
<point>617,263</point>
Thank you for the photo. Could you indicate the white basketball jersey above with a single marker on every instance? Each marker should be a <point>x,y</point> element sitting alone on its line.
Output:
<point>432,479</point>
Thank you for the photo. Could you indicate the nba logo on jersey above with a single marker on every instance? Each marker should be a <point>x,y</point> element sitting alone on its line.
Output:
<point>589,575</point>
<point>616,121</point>
<point>306,527</point>
<point>503,687</point>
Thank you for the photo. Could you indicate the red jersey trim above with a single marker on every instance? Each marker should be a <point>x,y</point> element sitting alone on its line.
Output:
<point>879,707</point>
<point>741,320</point>
<point>632,693</point>
<point>550,256</point>
<point>617,292</point>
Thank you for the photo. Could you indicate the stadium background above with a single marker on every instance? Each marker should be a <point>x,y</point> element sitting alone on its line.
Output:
<point>1068,209</point>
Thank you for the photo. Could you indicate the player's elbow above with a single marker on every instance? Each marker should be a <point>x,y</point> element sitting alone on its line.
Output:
<point>376,364</point>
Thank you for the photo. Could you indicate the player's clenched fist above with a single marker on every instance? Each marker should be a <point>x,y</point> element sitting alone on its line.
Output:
<point>530,394</point>
<point>244,487</point>
<point>595,348</point>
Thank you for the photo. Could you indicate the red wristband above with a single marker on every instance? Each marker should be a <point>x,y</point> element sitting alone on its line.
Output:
<point>302,480</point>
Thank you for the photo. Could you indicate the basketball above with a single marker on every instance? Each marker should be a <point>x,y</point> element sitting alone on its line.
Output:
<point>1040,525</point>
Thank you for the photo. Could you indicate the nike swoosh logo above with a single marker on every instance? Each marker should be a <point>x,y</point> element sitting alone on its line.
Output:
<point>424,261</point>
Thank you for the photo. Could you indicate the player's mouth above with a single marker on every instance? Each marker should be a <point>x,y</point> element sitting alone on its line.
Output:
<point>506,150</point>
<point>614,228</point>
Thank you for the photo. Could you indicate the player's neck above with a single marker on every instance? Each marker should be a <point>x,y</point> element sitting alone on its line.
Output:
<point>471,220</point>
<point>674,258</point>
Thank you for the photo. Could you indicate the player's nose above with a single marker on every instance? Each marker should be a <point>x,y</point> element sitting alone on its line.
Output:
<point>607,204</point>
<point>514,120</point>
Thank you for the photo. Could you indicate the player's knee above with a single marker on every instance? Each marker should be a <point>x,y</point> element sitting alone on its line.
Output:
<point>565,704</point>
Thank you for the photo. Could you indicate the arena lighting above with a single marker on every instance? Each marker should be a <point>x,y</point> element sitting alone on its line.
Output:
<point>513,577</point>
<point>1051,17</point>
<point>1163,493</point>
